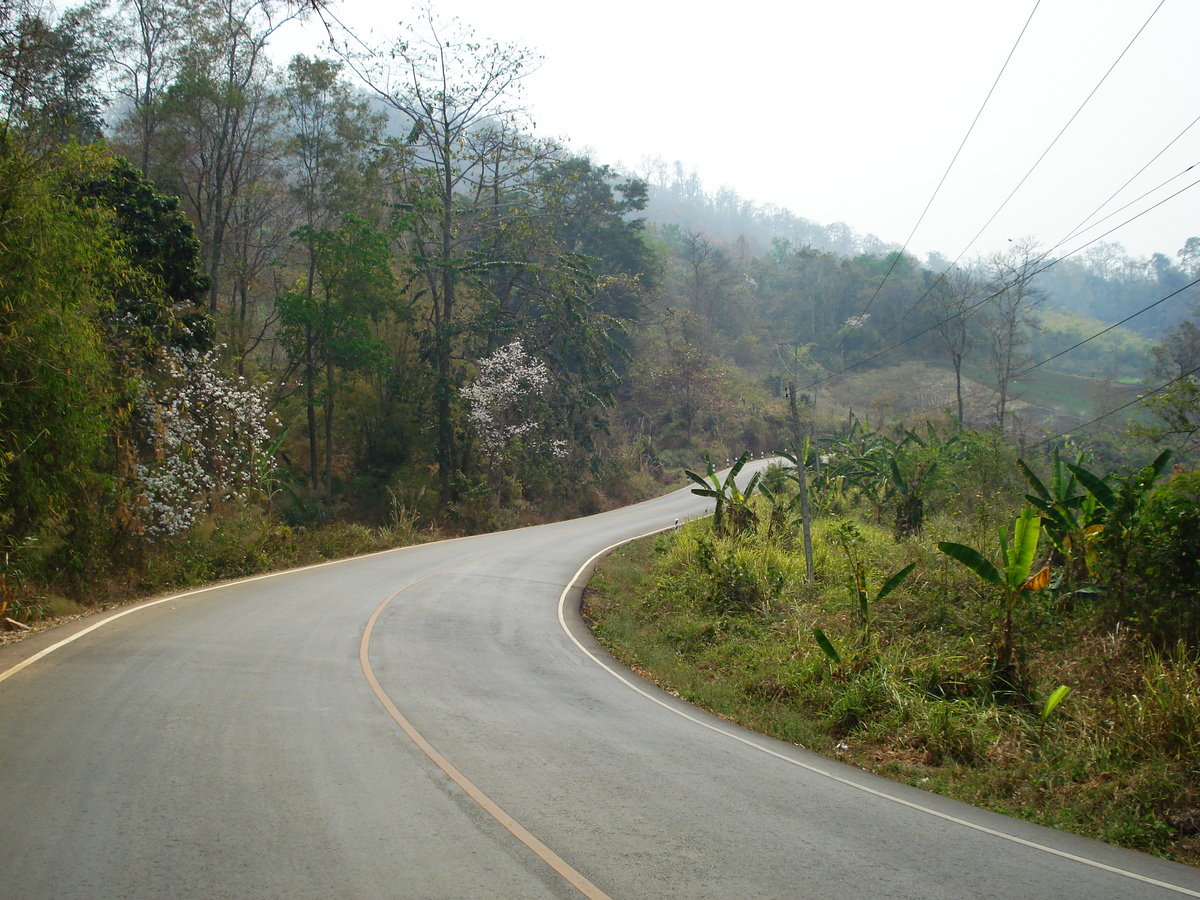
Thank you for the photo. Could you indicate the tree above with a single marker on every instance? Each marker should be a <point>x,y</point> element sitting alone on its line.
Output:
<point>1189,256</point>
<point>594,215</point>
<point>329,134</point>
<point>48,89</point>
<point>155,238</point>
<point>219,119</point>
<point>447,87</point>
<point>327,322</point>
<point>58,399</point>
<point>708,281</point>
<point>1175,405</point>
<point>145,41</point>
<point>507,408</point>
<point>1010,316</point>
<point>204,435</point>
<point>953,301</point>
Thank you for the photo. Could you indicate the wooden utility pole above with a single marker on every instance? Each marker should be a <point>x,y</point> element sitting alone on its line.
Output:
<point>798,449</point>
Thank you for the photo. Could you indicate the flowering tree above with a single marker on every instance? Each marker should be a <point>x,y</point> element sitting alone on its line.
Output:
<point>205,437</point>
<point>505,404</point>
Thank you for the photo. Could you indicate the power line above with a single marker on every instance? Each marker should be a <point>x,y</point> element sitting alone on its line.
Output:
<point>1113,412</point>
<point>1074,116</point>
<point>1083,225</point>
<point>957,152</point>
<point>1027,175</point>
<point>988,298</point>
<point>1050,250</point>
<point>1100,333</point>
<point>1108,329</point>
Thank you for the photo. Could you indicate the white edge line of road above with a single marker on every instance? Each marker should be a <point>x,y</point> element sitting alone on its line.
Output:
<point>183,595</point>
<point>562,621</point>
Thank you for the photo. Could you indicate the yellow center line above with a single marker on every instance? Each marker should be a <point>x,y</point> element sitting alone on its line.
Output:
<point>486,803</point>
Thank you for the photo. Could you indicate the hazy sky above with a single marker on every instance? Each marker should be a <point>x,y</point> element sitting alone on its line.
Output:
<point>852,110</point>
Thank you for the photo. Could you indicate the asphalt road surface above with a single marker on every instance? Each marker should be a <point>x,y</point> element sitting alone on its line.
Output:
<point>436,722</point>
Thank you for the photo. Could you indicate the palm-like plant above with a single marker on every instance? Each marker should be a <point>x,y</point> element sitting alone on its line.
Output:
<point>1071,516</point>
<point>1015,577</point>
<point>733,512</point>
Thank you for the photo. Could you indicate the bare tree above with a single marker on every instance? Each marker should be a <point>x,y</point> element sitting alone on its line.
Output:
<point>145,41</point>
<point>219,120</point>
<point>1010,316</point>
<point>952,304</point>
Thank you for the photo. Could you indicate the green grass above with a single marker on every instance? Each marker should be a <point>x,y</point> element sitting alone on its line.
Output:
<point>1074,395</point>
<point>710,619</point>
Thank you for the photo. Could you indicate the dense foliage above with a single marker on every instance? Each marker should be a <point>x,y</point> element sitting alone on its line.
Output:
<point>1045,667</point>
<point>240,297</point>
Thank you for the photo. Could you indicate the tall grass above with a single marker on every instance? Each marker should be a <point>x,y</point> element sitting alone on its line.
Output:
<point>728,623</point>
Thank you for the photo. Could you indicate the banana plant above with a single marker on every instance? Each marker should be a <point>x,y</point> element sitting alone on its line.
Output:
<point>1071,513</point>
<point>1015,578</point>
<point>865,604</point>
<point>1123,502</point>
<point>733,511</point>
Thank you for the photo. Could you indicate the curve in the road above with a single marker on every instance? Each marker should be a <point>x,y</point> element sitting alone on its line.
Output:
<point>816,770</point>
<point>486,803</point>
<point>705,822</point>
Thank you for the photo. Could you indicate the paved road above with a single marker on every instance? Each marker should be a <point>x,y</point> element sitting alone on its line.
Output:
<point>426,723</point>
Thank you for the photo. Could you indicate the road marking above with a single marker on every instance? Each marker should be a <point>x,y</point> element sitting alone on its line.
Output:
<point>742,739</point>
<point>548,856</point>
<point>556,862</point>
<point>41,654</point>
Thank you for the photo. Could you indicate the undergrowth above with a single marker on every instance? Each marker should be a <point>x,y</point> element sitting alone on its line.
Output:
<point>727,622</point>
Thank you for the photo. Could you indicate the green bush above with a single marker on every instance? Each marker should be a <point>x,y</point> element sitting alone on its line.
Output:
<point>1165,559</point>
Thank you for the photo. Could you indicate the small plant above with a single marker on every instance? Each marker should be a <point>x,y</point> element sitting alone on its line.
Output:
<point>1014,579</point>
<point>850,538</point>
<point>733,513</point>
<point>1052,703</point>
<point>735,583</point>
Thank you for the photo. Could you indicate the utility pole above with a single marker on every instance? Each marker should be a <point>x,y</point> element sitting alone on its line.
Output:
<point>798,448</point>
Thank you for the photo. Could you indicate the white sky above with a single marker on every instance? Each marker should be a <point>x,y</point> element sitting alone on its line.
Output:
<point>851,110</point>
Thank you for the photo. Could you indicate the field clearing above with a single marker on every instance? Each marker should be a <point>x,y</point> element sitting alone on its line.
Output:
<point>916,391</point>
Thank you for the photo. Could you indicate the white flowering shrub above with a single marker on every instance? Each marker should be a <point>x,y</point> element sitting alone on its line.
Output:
<point>204,435</point>
<point>505,403</point>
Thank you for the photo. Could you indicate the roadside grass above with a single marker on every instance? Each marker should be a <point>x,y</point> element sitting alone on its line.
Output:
<point>727,624</point>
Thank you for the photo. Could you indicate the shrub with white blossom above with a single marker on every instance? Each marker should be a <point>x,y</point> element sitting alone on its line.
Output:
<point>204,436</point>
<point>503,403</point>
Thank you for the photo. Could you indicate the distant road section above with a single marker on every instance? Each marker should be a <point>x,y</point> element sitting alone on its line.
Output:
<point>423,724</point>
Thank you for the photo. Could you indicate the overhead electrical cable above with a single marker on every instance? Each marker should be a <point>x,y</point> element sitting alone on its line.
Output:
<point>989,297</point>
<point>1063,131</point>
<point>1139,215</point>
<point>1048,359</point>
<point>1105,331</point>
<point>957,153</point>
<point>1094,240</point>
<point>1083,226</point>
<point>1032,168</point>
<point>1113,412</point>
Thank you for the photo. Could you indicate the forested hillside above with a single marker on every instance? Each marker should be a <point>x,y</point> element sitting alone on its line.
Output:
<point>255,312</point>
